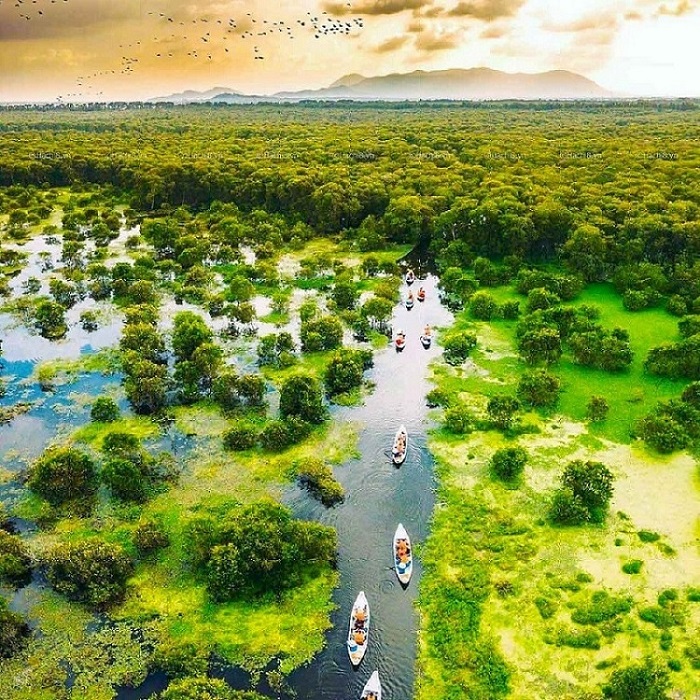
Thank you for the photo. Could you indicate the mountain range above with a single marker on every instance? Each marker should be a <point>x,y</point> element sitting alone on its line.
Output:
<point>454,84</point>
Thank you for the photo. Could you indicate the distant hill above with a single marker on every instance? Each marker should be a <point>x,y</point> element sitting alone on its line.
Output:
<point>455,84</point>
<point>194,95</point>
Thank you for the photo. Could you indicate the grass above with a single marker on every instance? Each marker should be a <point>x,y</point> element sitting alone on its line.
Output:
<point>63,371</point>
<point>571,614</point>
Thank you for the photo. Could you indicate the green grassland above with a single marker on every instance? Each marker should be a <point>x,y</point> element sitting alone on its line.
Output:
<point>541,611</point>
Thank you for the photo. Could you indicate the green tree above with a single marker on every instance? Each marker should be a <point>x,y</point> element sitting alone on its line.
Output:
<point>301,396</point>
<point>639,681</point>
<point>14,632</point>
<point>90,571</point>
<point>204,688</point>
<point>15,561</point>
<point>189,332</point>
<point>592,482</point>
<point>539,388</point>
<point>508,463</point>
<point>49,320</point>
<point>483,306</point>
<point>542,344</point>
<point>125,479</point>
<point>63,474</point>
<point>345,294</point>
<point>345,371</point>
<point>503,410</point>
<point>145,385</point>
<point>458,345</point>
<point>597,409</point>
<point>104,410</point>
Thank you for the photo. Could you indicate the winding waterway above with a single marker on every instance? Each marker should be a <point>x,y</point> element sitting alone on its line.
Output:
<point>378,497</point>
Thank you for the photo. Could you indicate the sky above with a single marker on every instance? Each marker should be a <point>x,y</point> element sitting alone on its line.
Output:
<point>81,50</point>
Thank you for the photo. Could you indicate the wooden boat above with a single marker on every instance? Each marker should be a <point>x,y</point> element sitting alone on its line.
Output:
<point>410,277</point>
<point>409,303</point>
<point>372,689</point>
<point>398,454</point>
<point>359,624</point>
<point>426,340</point>
<point>421,294</point>
<point>403,563</point>
<point>400,341</point>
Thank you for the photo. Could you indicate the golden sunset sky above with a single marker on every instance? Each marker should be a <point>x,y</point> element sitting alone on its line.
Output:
<point>108,49</point>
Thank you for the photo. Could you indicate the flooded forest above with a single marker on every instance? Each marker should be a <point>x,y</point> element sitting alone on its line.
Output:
<point>294,394</point>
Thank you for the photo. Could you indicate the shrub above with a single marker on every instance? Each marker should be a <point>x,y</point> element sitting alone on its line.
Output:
<point>601,606</point>
<point>677,305</point>
<point>63,474</point>
<point>508,463</point>
<point>261,549</point>
<point>648,536</point>
<point>125,479</point>
<point>301,396</point>
<point>540,298</point>
<point>241,436</point>
<point>459,420</point>
<point>483,306</point>
<point>539,388</point>
<point>149,537</point>
<point>457,346</point>
<point>14,631</point>
<point>597,409</point>
<point>663,433</point>
<point>345,371</point>
<point>642,681</point>
<point>688,326</point>
<point>91,571</point>
<point>502,410</point>
<point>15,561</point>
<point>324,333</point>
<point>567,508</point>
<point>633,566</point>
<point>204,688</point>
<point>104,410</point>
<point>591,481</point>
<point>318,478</point>
<point>578,638</point>
<point>278,435</point>
<point>546,607</point>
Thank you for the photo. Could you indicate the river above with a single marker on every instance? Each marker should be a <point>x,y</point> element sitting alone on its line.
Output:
<point>378,497</point>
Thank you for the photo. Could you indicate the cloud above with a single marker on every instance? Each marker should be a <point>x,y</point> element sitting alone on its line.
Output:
<point>586,23</point>
<point>495,31</point>
<point>390,45</point>
<point>486,10</point>
<point>683,7</point>
<point>431,41</point>
<point>375,7</point>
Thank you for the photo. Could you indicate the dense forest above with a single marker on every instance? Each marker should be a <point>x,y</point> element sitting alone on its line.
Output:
<point>566,238</point>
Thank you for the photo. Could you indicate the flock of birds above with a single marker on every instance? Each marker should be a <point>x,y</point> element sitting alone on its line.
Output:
<point>204,38</point>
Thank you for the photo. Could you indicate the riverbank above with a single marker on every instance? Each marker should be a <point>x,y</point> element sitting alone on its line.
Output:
<point>541,611</point>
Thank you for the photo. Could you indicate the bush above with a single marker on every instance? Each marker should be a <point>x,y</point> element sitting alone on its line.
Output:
<point>324,333</point>
<point>508,463</point>
<point>15,561</point>
<point>633,566</point>
<point>125,479</point>
<point>601,606</point>
<point>597,409</point>
<point>62,475</point>
<point>204,688</point>
<point>566,508</point>
<point>149,537</point>
<point>345,371</point>
<point>458,346</point>
<point>14,631</point>
<point>104,410</point>
<point>578,638</point>
<point>318,478</point>
<point>546,607</point>
<point>241,436</point>
<point>688,326</point>
<point>677,305</point>
<point>260,549</point>
<point>278,435</point>
<point>540,298</point>
<point>459,420</point>
<point>538,388</point>
<point>663,433</point>
<point>90,571</point>
<point>483,306</point>
<point>642,681</point>
<point>301,396</point>
<point>502,411</point>
<point>592,482</point>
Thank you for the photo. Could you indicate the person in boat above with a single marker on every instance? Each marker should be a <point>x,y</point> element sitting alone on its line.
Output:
<point>359,636</point>
<point>421,293</point>
<point>427,331</point>
<point>371,695</point>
